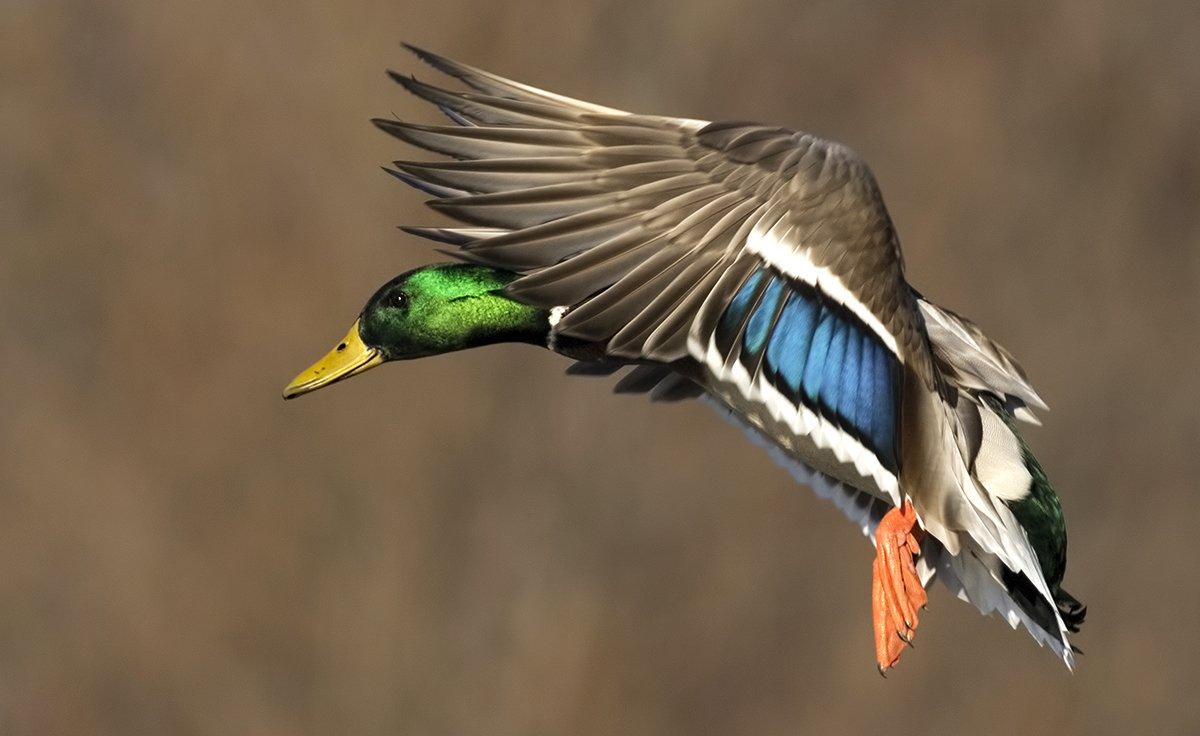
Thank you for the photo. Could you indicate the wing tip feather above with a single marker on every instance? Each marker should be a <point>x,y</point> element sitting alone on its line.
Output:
<point>424,185</point>
<point>455,69</point>
<point>418,52</point>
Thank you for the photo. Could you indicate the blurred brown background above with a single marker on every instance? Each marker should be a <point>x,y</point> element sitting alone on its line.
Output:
<point>475,544</point>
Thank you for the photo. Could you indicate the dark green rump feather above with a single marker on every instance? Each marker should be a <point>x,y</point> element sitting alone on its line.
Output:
<point>1040,514</point>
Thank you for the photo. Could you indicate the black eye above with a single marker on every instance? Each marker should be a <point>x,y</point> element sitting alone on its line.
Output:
<point>398,299</point>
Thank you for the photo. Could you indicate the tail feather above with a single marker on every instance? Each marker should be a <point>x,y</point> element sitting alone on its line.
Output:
<point>981,581</point>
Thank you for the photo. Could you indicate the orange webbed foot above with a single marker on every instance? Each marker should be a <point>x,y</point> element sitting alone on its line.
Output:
<point>896,592</point>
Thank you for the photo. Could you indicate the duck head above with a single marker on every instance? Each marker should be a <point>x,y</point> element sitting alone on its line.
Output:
<point>430,310</point>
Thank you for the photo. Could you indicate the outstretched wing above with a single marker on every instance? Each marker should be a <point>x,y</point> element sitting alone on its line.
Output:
<point>763,254</point>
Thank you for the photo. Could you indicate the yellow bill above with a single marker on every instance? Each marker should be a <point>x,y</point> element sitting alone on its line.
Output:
<point>349,358</point>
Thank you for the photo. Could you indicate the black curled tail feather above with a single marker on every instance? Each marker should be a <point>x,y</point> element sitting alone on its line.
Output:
<point>1073,612</point>
<point>1025,594</point>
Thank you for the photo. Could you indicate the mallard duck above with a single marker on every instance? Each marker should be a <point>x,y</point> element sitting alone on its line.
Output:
<point>753,267</point>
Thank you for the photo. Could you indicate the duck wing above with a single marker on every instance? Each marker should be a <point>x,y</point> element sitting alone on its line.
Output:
<point>663,236</point>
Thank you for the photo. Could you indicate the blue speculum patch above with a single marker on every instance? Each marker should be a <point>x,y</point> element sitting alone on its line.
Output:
<point>817,353</point>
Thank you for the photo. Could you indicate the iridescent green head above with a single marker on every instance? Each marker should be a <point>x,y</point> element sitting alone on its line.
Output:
<point>428,311</point>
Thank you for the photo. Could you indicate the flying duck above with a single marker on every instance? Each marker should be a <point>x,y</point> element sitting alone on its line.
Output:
<point>755,268</point>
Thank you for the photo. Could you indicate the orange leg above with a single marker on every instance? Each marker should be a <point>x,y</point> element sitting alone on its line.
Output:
<point>896,591</point>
